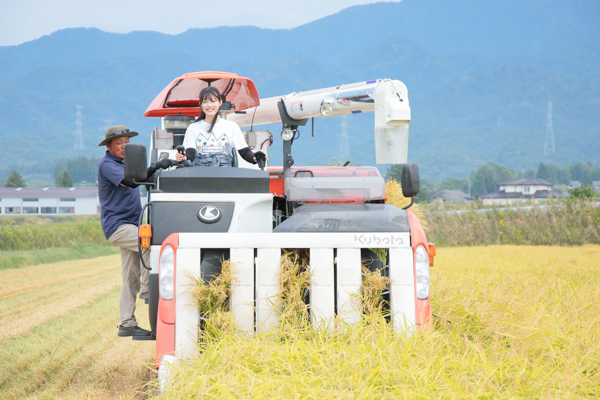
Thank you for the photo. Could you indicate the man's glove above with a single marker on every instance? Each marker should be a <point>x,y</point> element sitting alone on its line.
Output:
<point>164,163</point>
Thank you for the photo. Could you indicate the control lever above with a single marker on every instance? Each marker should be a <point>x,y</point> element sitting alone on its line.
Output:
<point>261,159</point>
<point>181,150</point>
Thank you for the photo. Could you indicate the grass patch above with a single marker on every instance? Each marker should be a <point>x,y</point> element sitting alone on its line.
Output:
<point>77,251</point>
<point>45,219</point>
<point>570,223</point>
<point>515,322</point>
<point>33,236</point>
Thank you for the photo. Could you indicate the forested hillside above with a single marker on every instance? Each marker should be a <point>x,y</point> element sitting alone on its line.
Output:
<point>479,73</point>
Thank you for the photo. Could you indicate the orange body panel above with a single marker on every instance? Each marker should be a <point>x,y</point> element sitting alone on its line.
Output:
<point>422,307</point>
<point>180,97</point>
<point>165,321</point>
<point>276,181</point>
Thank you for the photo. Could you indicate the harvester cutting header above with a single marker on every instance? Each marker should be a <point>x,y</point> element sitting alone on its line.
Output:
<point>198,216</point>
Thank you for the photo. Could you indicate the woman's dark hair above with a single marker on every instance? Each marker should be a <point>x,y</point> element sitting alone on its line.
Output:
<point>209,92</point>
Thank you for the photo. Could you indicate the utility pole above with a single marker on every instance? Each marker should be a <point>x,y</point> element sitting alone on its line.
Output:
<point>78,132</point>
<point>549,145</point>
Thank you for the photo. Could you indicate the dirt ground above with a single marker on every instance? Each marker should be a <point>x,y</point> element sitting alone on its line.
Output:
<point>58,337</point>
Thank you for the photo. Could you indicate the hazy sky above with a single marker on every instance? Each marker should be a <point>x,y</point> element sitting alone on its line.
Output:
<point>25,20</point>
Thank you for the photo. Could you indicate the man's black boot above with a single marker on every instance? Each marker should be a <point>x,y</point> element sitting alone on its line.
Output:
<point>133,331</point>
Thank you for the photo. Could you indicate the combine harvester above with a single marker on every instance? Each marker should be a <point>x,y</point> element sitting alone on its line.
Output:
<point>249,215</point>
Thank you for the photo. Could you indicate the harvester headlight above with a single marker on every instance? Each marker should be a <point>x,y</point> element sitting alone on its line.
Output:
<point>422,269</point>
<point>167,272</point>
<point>326,109</point>
<point>287,134</point>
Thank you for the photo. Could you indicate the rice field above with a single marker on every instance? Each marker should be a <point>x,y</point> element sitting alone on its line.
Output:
<point>58,336</point>
<point>512,322</point>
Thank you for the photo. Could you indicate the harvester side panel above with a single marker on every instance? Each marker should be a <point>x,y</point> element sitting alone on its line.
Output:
<point>322,301</point>
<point>349,281</point>
<point>186,310</point>
<point>242,296</point>
<point>402,289</point>
<point>267,286</point>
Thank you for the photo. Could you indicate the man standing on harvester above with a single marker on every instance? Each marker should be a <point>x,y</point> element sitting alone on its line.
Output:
<point>121,208</point>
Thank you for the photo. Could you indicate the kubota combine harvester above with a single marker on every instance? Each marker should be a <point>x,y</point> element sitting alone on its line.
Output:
<point>199,215</point>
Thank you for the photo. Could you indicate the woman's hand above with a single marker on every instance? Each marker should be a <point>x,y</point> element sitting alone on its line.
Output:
<point>261,156</point>
<point>180,157</point>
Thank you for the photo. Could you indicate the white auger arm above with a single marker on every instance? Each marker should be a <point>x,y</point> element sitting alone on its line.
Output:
<point>387,98</point>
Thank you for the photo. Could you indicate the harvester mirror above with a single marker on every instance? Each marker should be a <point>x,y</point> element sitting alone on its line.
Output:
<point>135,161</point>
<point>410,180</point>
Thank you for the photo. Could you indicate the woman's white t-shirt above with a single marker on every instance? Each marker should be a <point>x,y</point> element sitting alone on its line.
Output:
<point>225,136</point>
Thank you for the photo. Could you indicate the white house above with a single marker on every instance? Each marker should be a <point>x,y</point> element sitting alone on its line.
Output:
<point>75,201</point>
<point>521,190</point>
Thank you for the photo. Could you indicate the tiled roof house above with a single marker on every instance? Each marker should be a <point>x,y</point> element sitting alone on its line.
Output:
<point>521,190</point>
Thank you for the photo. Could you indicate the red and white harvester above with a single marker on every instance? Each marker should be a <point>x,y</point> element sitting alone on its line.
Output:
<point>197,216</point>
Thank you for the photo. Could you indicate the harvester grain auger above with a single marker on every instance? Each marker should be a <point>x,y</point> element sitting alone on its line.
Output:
<point>197,216</point>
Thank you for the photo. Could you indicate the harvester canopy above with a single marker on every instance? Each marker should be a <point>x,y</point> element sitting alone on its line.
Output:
<point>180,97</point>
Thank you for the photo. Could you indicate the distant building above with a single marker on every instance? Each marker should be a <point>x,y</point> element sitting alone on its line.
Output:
<point>596,186</point>
<point>453,196</point>
<point>521,190</point>
<point>45,201</point>
<point>574,184</point>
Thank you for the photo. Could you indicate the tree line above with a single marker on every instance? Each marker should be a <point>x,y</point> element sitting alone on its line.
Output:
<point>67,172</point>
<point>485,179</point>
<point>81,169</point>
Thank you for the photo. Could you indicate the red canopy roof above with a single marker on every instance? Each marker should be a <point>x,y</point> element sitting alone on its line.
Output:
<point>180,97</point>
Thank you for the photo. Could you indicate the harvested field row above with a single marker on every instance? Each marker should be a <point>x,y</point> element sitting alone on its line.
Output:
<point>59,336</point>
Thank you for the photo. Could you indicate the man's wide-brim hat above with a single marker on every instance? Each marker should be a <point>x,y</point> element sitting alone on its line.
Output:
<point>115,132</point>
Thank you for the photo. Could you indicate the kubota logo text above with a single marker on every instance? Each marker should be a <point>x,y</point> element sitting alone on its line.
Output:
<point>378,239</point>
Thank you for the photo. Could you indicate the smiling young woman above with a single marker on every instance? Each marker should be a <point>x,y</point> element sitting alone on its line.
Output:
<point>211,140</point>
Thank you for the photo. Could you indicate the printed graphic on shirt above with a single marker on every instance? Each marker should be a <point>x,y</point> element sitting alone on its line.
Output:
<point>209,144</point>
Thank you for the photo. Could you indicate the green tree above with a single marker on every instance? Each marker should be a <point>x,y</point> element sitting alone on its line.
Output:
<point>584,193</point>
<point>542,172</point>
<point>83,168</point>
<point>59,167</point>
<point>485,179</point>
<point>454,184</point>
<point>395,172</point>
<point>64,179</point>
<point>15,180</point>
<point>550,172</point>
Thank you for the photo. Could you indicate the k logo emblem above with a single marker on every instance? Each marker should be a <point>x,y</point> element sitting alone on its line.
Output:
<point>209,214</point>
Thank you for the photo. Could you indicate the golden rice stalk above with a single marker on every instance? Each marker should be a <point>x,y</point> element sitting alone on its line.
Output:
<point>294,285</point>
<point>373,285</point>
<point>394,196</point>
<point>213,300</point>
<point>393,192</point>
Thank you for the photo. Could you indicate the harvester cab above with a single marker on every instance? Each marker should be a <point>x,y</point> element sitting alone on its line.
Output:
<point>196,217</point>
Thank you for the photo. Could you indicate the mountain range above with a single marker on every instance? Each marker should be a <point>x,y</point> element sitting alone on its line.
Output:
<point>480,75</point>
